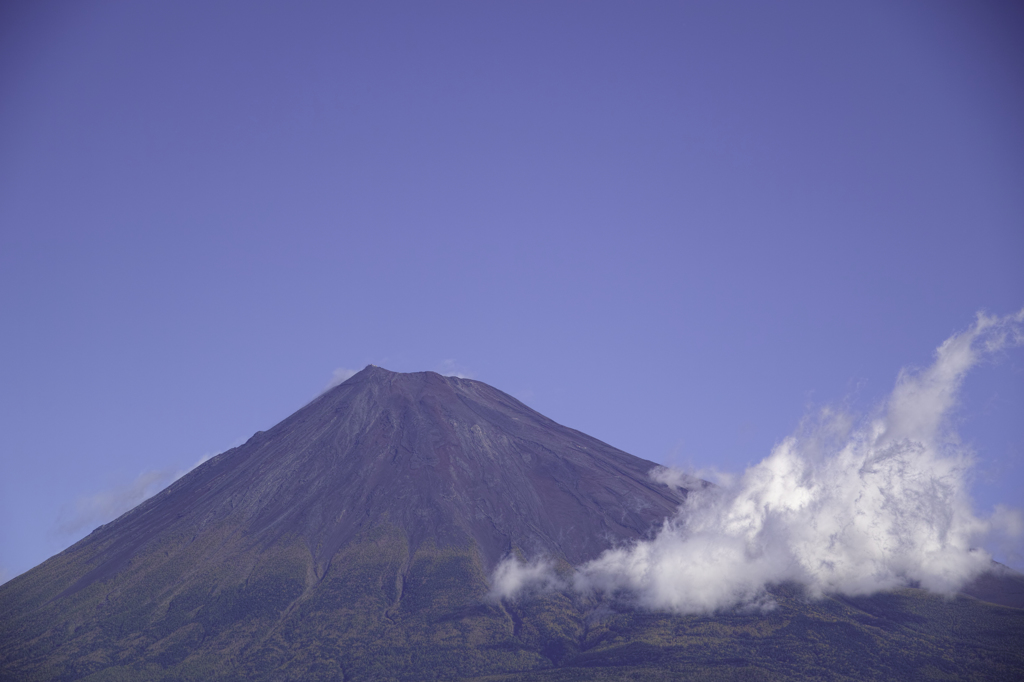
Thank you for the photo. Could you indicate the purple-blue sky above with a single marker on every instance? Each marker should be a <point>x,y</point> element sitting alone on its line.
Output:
<point>679,227</point>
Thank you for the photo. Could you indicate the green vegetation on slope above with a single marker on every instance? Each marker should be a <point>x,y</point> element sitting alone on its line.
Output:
<point>375,612</point>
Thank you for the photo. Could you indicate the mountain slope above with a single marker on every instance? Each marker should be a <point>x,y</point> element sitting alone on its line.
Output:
<point>355,539</point>
<point>395,467</point>
<point>445,459</point>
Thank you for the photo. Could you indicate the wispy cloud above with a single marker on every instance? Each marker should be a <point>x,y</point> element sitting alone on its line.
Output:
<point>339,376</point>
<point>512,577</point>
<point>846,505</point>
<point>94,510</point>
<point>450,368</point>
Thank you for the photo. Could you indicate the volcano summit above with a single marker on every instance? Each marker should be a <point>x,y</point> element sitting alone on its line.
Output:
<point>445,461</point>
<point>385,480</point>
<point>355,539</point>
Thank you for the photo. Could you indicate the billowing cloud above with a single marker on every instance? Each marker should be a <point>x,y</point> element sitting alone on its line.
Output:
<point>845,505</point>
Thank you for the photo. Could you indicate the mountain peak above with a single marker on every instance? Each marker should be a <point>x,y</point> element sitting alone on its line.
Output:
<point>356,538</point>
<point>376,373</point>
<point>447,461</point>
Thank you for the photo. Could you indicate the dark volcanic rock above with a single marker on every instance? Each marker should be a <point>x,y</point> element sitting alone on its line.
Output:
<point>450,460</point>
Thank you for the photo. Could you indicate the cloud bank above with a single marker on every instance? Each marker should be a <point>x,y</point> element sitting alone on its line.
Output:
<point>843,506</point>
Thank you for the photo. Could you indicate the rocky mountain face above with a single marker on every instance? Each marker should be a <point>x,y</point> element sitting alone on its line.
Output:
<point>445,460</point>
<point>355,540</point>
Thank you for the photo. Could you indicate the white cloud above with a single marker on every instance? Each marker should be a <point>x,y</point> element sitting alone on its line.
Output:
<point>339,376</point>
<point>91,511</point>
<point>513,577</point>
<point>677,478</point>
<point>450,368</point>
<point>843,506</point>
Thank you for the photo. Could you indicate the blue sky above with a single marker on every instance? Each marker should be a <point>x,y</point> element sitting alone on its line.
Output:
<point>679,227</point>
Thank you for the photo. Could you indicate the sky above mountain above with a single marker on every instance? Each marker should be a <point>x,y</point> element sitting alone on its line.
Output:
<point>680,228</point>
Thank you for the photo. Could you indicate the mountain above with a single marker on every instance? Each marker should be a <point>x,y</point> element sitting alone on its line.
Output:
<point>445,460</point>
<point>356,539</point>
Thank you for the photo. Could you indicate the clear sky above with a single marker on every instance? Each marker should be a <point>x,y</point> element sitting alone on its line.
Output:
<point>679,227</point>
